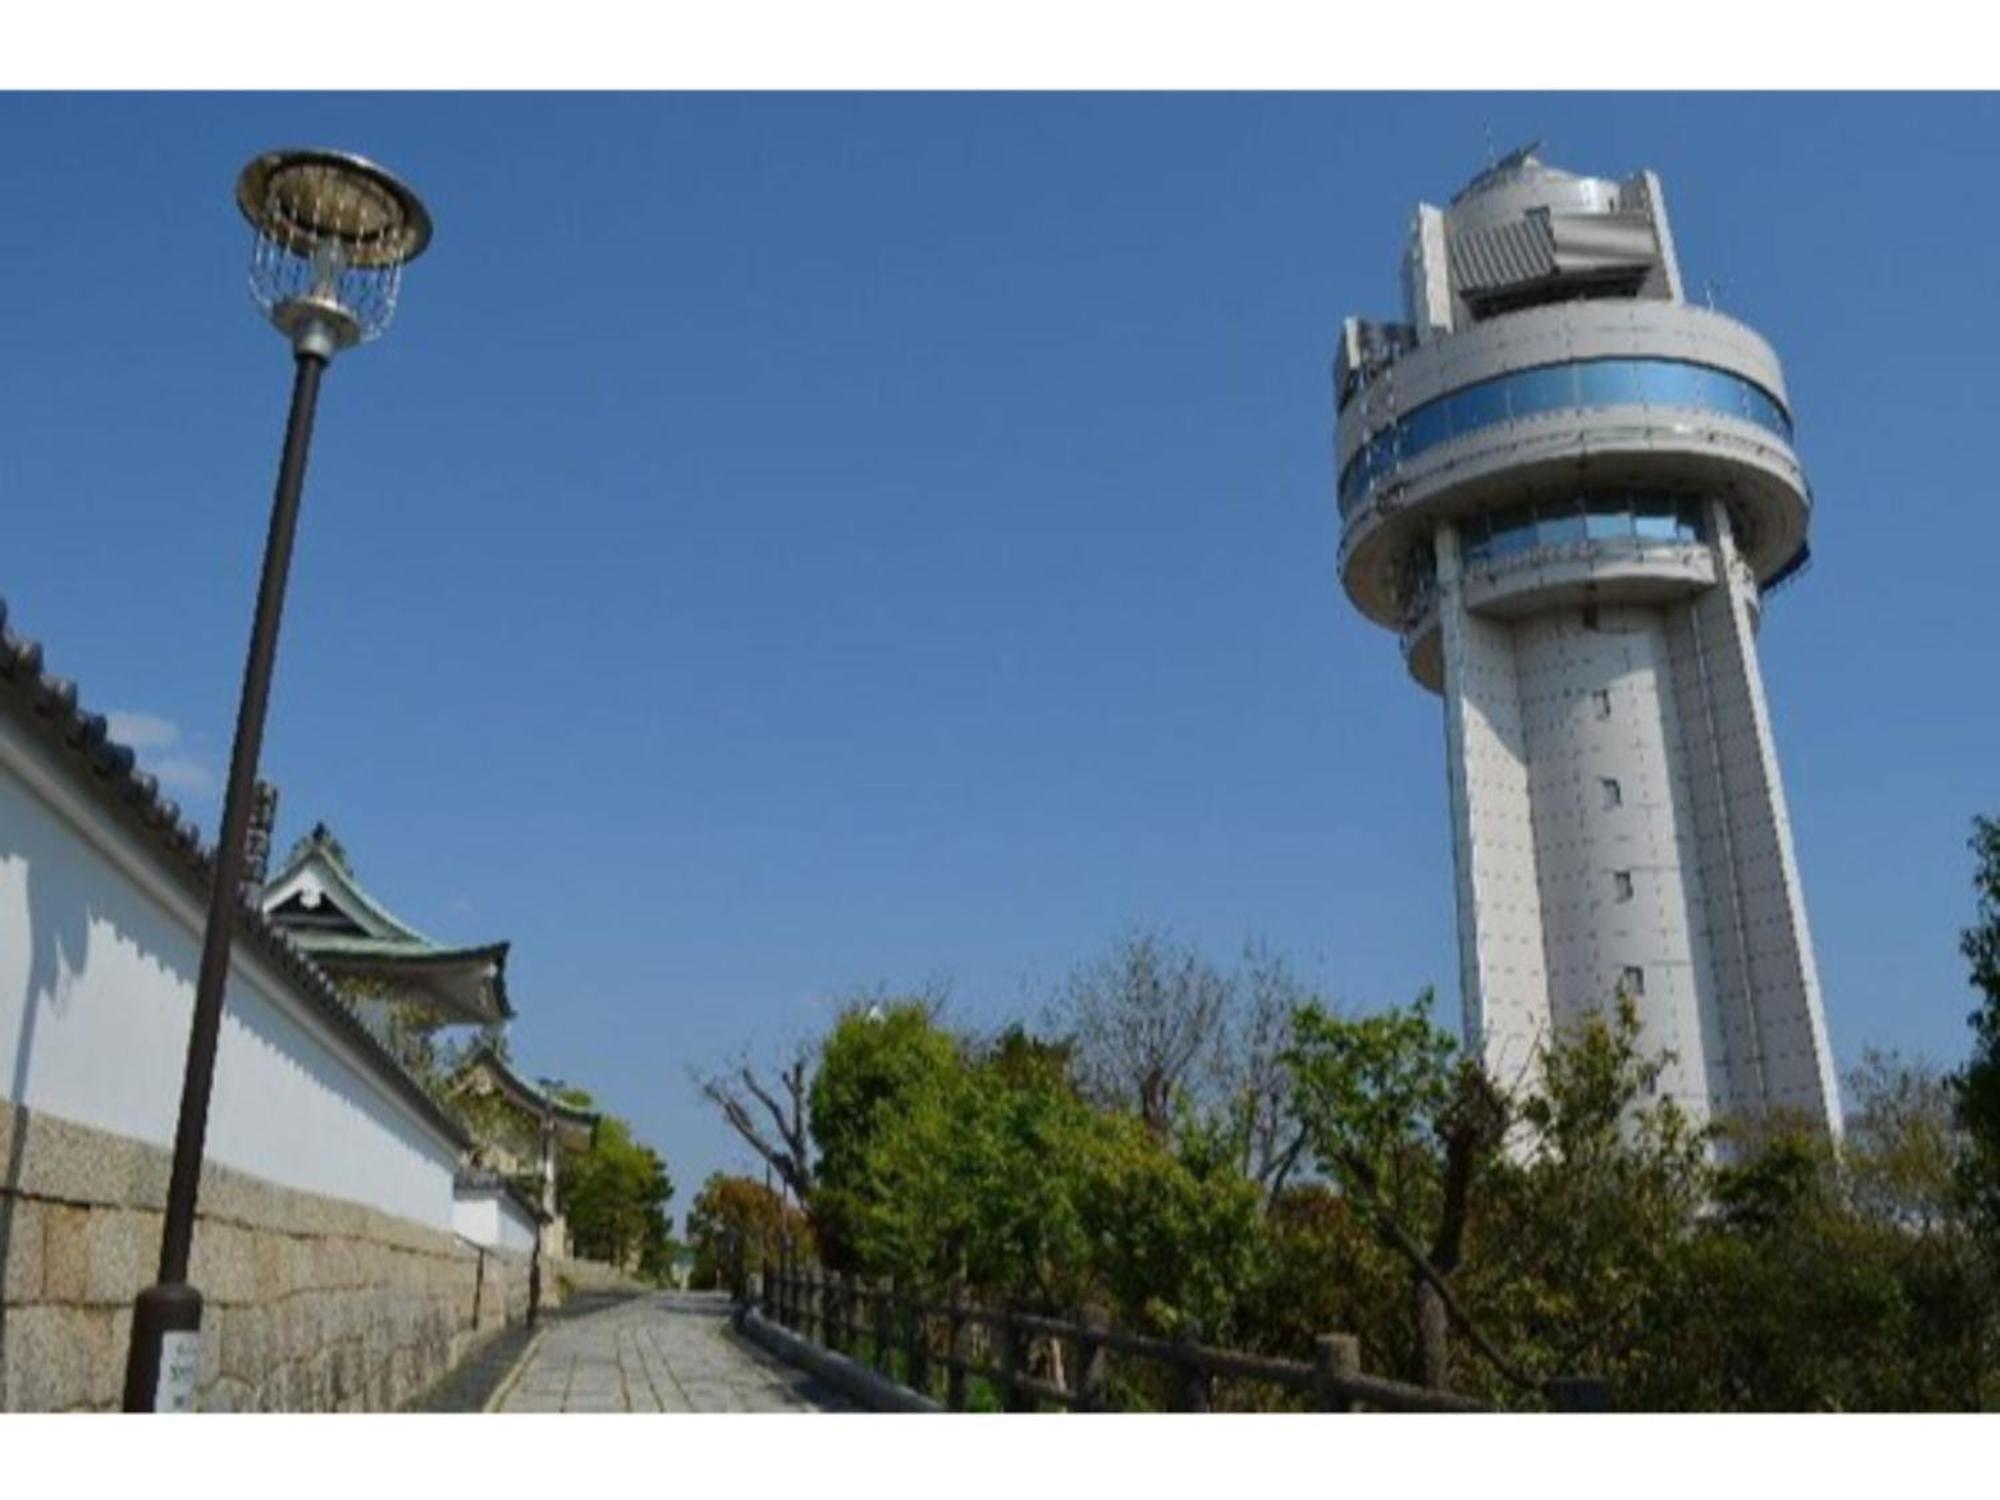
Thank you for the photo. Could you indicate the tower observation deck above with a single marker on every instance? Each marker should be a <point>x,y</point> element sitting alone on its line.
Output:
<point>1569,491</point>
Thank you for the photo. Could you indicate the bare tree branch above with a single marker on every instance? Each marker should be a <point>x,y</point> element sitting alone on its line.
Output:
<point>788,1154</point>
<point>771,1107</point>
<point>1146,1021</point>
<point>1281,1167</point>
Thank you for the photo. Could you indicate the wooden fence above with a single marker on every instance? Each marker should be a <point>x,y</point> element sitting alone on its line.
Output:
<point>1034,1361</point>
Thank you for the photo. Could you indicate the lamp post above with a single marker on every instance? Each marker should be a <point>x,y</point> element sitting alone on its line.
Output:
<point>548,1088</point>
<point>332,234</point>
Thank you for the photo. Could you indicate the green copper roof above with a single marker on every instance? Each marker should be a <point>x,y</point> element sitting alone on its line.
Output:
<point>333,857</point>
<point>316,899</point>
<point>528,1098</point>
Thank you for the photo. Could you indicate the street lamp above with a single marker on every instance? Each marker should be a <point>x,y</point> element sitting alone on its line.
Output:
<point>549,1088</point>
<point>332,235</point>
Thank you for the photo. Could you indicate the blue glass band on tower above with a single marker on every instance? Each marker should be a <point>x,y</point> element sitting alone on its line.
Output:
<point>1578,386</point>
<point>1626,517</point>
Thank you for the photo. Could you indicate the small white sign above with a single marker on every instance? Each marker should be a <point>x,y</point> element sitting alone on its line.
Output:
<point>180,1357</point>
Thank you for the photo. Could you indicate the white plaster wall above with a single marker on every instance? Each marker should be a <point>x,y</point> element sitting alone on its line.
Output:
<point>517,1230</point>
<point>489,1218</point>
<point>98,955</point>
<point>476,1217</point>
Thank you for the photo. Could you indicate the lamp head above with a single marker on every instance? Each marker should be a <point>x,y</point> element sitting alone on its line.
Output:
<point>332,233</point>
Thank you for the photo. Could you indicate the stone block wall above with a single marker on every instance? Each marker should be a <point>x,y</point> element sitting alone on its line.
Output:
<point>577,1275</point>
<point>311,1304</point>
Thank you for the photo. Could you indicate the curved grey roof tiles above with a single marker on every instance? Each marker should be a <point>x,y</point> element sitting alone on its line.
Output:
<point>49,705</point>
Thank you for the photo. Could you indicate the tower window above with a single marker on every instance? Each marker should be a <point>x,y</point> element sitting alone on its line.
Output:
<point>1621,884</point>
<point>1601,700</point>
<point>1633,982</point>
<point>1614,795</point>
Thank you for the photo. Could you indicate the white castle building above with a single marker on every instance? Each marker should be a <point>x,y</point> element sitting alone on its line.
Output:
<point>1571,492</point>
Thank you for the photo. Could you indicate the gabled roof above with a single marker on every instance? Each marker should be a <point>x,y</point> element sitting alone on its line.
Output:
<point>81,744</point>
<point>317,899</point>
<point>576,1127</point>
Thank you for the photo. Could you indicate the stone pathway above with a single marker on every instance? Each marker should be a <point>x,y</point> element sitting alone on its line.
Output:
<point>673,1351</point>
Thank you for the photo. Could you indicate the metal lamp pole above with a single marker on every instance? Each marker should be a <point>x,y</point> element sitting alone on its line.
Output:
<point>548,1087</point>
<point>332,234</point>
<point>541,1219</point>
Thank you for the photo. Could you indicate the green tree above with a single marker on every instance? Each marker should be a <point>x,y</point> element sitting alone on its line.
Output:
<point>1603,1175</point>
<point>1220,1154</point>
<point>1530,1224</point>
<point>734,1216</point>
<point>886,1072</point>
<point>940,1158</point>
<point>1403,1126</point>
<point>1824,1281</point>
<point>1978,1084</point>
<point>1176,1236</point>
<point>615,1198</point>
<point>1326,1269</point>
<point>944,1158</point>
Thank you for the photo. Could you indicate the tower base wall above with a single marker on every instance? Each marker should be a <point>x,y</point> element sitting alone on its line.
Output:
<point>1619,826</point>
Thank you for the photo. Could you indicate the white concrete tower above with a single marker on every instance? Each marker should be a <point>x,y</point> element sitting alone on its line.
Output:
<point>1570,491</point>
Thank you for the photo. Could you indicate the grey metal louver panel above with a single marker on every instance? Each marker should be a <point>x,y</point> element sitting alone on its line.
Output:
<point>1503,254</point>
<point>1602,242</point>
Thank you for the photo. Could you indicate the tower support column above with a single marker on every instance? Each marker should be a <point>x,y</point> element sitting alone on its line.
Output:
<point>1503,967</point>
<point>1772,1021</point>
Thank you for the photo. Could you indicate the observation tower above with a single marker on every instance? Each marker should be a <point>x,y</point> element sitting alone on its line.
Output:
<point>1570,492</point>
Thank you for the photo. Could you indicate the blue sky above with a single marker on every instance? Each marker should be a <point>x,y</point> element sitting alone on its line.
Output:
<point>794,544</point>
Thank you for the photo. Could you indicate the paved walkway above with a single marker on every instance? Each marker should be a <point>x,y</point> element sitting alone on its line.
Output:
<point>670,1352</point>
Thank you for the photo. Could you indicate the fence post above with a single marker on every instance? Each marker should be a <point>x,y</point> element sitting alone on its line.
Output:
<point>885,1312</point>
<point>836,1309</point>
<point>814,1312</point>
<point>1578,1393</point>
<point>788,1294</point>
<point>916,1344</point>
<point>1013,1361</point>
<point>1336,1356</point>
<point>1093,1369</point>
<point>1191,1381</point>
<point>768,1278</point>
<point>956,1354</point>
<point>788,1284</point>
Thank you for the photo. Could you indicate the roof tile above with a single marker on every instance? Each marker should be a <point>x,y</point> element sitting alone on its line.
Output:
<point>110,768</point>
